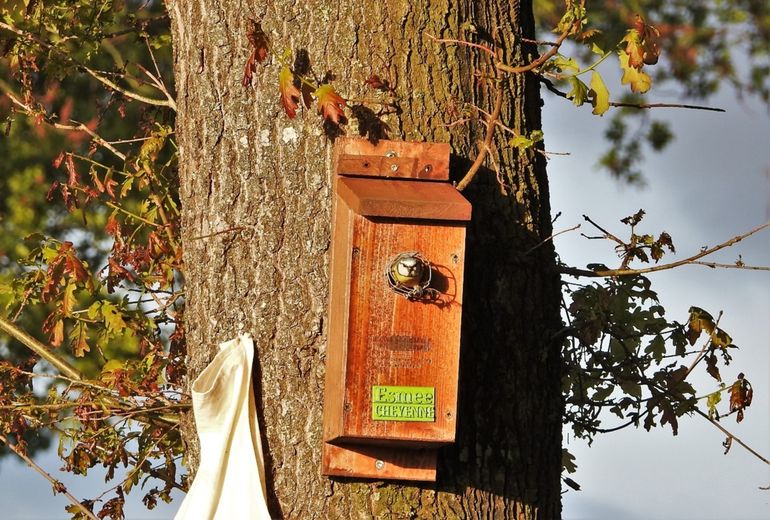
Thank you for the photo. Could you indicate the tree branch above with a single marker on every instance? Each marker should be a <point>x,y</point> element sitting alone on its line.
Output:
<point>603,273</point>
<point>540,60</point>
<point>41,350</point>
<point>133,95</point>
<point>550,86</point>
<point>78,127</point>
<point>483,48</point>
<point>729,434</point>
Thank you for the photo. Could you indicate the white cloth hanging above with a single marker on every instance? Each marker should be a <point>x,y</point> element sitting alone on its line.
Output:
<point>230,483</point>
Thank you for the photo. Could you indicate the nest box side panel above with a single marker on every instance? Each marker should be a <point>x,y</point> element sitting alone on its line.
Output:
<point>339,298</point>
<point>393,341</point>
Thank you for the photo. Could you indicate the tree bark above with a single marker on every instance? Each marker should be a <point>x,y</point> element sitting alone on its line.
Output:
<point>255,191</point>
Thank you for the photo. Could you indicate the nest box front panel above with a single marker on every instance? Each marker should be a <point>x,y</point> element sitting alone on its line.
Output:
<point>402,354</point>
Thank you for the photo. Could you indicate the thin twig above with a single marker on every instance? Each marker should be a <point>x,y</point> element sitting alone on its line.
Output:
<point>57,485</point>
<point>665,105</point>
<point>485,145</point>
<point>607,234</point>
<point>714,265</point>
<point>483,48</point>
<point>550,86</point>
<point>573,228</point>
<point>539,42</point>
<point>690,260</point>
<point>221,232</point>
<point>732,436</point>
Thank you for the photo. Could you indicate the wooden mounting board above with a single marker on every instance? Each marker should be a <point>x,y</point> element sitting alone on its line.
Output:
<point>398,159</point>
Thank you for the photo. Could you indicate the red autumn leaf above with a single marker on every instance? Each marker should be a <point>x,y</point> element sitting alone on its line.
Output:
<point>258,39</point>
<point>109,184</point>
<point>374,82</point>
<point>58,160</point>
<point>330,104</point>
<point>741,395</point>
<point>54,276</point>
<point>642,44</point>
<point>57,333</point>
<point>290,94</point>
<point>97,182</point>
<point>74,177</point>
<point>52,190</point>
<point>249,70</point>
<point>113,227</point>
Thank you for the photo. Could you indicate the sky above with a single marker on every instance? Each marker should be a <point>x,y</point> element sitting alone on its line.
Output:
<point>712,183</point>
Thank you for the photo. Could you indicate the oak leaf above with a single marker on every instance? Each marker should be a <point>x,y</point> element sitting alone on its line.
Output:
<point>290,94</point>
<point>741,395</point>
<point>649,37</point>
<point>639,81</point>
<point>330,104</point>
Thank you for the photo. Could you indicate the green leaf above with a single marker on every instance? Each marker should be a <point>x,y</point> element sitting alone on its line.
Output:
<point>568,461</point>
<point>68,300</point>
<point>601,96</point>
<point>523,142</point>
<point>79,343</point>
<point>564,63</point>
<point>632,388</point>
<point>602,393</point>
<point>579,92</point>
<point>113,318</point>
<point>712,401</point>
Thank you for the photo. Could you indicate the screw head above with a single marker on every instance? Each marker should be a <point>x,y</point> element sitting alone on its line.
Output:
<point>380,465</point>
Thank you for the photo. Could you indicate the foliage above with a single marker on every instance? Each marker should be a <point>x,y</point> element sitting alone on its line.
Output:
<point>109,292</point>
<point>703,45</point>
<point>622,356</point>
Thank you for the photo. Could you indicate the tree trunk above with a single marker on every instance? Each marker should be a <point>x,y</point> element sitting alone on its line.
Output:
<point>255,190</point>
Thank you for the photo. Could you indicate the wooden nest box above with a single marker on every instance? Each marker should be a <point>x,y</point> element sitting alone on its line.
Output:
<point>398,250</point>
